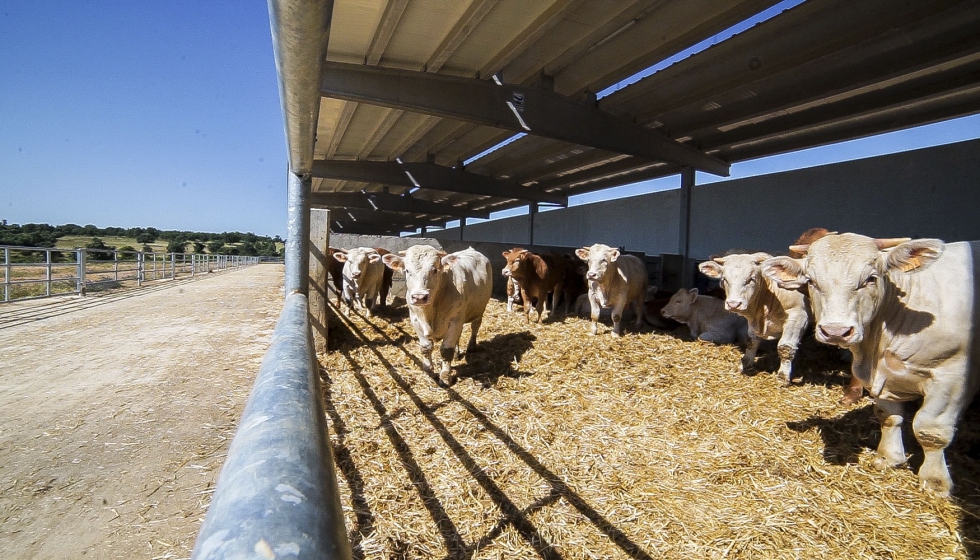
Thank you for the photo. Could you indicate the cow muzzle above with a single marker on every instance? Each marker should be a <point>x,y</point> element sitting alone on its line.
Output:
<point>592,275</point>
<point>506,272</point>
<point>735,304</point>
<point>836,333</point>
<point>420,298</point>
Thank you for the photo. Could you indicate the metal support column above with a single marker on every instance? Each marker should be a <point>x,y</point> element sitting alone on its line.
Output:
<point>298,233</point>
<point>462,226</point>
<point>423,232</point>
<point>532,212</point>
<point>684,234</point>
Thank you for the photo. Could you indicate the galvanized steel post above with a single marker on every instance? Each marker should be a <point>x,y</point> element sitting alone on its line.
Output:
<point>277,494</point>
<point>684,235</point>
<point>298,233</point>
<point>80,288</point>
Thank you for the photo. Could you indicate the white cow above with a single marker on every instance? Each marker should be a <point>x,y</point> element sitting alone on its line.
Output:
<point>906,310</point>
<point>615,280</point>
<point>363,275</point>
<point>444,292</point>
<point>771,311</point>
<point>706,317</point>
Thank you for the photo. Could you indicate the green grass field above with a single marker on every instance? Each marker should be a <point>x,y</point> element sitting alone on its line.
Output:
<point>75,241</point>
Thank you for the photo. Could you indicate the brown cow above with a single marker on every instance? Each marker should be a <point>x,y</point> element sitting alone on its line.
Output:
<point>536,275</point>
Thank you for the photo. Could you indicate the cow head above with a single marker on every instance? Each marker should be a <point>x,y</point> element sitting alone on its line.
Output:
<point>598,257</point>
<point>740,276</point>
<point>356,262</point>
<point>679,306</point>
<point>516,262</point>
<point>847,276</point>
<point>424,268</point>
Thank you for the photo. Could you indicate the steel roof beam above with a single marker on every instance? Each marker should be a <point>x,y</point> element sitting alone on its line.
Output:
<point>392,219</point>
<point>430,176</point>
<point>519,108</point>
<point>392,203</point>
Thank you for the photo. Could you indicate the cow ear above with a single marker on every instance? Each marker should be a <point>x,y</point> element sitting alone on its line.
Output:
<point>342,257</point>
<point>693,293</point>
<point>448,262</point>
<point>393,262</point>
<point>374,257</point>
<point>613,255</point>
<point>505,253</point>
<point>582,253</point>
<point>786,272</point>
<point>711,269</point>
<point>759,257</point>
<point>403,252</point>
<point>914,255</point>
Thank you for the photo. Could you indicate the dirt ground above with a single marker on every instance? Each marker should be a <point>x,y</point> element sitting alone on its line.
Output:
<point>116,412</point>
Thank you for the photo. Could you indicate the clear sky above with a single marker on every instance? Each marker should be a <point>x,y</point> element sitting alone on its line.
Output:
<point>166,114</point>
<point>141,113</point>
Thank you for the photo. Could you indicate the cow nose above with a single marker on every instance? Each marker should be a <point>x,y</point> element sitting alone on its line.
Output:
<point>356,275</point>
<point>591,275</point>
<point>506,272</point>
<point>732,304</point>
<point>420,298</point>
<point>836,330</point>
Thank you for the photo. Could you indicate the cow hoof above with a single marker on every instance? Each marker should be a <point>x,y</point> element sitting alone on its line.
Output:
<point>936,487</point>
<point>851,396</point>
<point>616,334</point>
<point>446,378</point>
<point>882,463</point>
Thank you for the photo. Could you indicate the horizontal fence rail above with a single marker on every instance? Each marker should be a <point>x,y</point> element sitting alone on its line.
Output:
<point>277,493</point>
<point>38,272</point>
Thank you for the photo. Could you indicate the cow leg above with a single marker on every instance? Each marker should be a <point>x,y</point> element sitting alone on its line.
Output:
<point>596,308</point>
<point>789,341</point>
<point>425,345</point>
<point>474,329</point>
<point>638,306</point>
<point>934,425</point>
<point>891,450</point>
<point>853,392</point>
<point>539,307</point>
<point>555,298</point>
<point>448,352</point>
<point>748,358</point>
<point>525,304</point>
<point>617,318</point>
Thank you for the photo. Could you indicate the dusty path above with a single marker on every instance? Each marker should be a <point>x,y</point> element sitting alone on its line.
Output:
<point>115,418</point>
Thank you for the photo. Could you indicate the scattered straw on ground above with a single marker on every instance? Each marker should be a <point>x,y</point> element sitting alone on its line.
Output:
<point>561,445</point>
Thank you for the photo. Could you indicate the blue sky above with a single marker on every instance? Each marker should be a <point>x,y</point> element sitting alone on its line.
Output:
<point>166,114</point>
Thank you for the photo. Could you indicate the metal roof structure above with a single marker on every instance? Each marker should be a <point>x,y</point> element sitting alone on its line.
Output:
<point>410,89</point>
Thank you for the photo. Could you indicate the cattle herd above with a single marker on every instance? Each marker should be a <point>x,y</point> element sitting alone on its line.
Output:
<point>903,309</point>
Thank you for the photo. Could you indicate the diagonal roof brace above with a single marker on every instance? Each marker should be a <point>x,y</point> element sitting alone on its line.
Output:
<point>392,203</point>
<point>430,176</point>
<point>523,109</point>
<point>372,218</point>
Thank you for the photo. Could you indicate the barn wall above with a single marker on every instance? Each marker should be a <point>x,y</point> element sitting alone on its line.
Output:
<point>931,192</point>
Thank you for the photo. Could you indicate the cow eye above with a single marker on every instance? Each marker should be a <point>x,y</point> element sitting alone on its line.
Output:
<point>750,281</point>
<point>871,281</point>
<point>722,283</point>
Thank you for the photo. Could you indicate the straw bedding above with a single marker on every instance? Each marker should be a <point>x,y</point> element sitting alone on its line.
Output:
<point>555,444</point>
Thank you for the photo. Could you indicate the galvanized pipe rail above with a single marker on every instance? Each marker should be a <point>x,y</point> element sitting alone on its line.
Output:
<point>277,493</point>
<point>86,272</point>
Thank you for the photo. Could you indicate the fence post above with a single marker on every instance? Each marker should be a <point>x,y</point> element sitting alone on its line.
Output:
<point>47,274</point>
<point>80,288</point>
<point>193,264</point>
<point>173,265</point>
<point>6,274</point>
<point>319,240</point>
<point>140,267</point>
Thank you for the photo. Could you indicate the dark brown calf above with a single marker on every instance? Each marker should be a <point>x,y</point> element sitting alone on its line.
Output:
<point>536,275</point>
<point>386,280</point>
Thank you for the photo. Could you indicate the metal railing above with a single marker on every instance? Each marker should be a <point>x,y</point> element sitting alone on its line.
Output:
<point>38,272</point>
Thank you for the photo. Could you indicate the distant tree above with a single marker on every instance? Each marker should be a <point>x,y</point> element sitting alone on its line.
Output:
<point>100,251</point>
<point>90,229</point>
<point>198,247</point>
<point>216,246</point>
<point>147,249</point>
<point>145,237</point>
<point>176,245</point>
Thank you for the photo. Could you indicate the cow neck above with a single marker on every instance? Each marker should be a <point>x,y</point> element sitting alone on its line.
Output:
<point>540,266</point>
